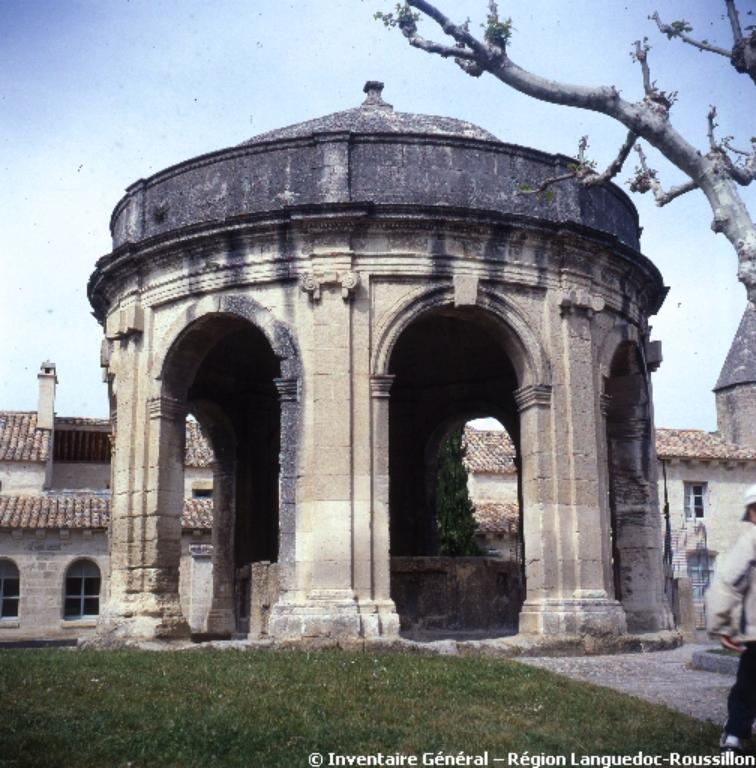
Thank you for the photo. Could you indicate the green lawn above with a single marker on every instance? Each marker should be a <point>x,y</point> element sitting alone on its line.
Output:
<point>252,709</point>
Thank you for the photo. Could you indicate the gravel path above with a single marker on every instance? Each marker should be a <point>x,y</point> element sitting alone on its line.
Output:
<point>661,677</point>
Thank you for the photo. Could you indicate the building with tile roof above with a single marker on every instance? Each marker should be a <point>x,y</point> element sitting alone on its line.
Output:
<point>55,514</point>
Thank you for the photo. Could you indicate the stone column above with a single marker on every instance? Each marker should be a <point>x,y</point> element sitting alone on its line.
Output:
<point>221,618</point>
<point>288,394</point>
<point>148,491</point>
<point>567,591</point>
<point>379,616</point>
<point>324,603</point>
<point>638,537</point>
<point>159,546</point>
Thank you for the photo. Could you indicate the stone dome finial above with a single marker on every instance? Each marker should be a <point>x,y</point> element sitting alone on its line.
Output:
<point>373,89</point>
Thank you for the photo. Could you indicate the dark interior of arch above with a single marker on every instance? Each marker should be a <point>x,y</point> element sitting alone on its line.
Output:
<point>449,366</point>
<point>229,363</point>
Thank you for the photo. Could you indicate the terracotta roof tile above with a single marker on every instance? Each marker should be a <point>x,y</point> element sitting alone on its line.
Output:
<point>198,513</point>
<point>79,510</point>
<point>20,440</point>
<point>488,451</point>
<point>492,517</point>
<point>198,450</point>
<point>697,444</point>
<point>83,511</point>
<point>81,421</point>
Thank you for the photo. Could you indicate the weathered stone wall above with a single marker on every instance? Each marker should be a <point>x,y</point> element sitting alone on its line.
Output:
<point>79,475</point>
<point>334,248</point>
<point>727,482</point>
<point>196,578</point>
<point>492,486</point>
<point>17,477</point>
<point>456,593</point>
<point>42,558</point>
<point>736,414</point>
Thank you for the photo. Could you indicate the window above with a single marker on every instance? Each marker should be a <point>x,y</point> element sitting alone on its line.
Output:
<point>82,599</point>
<point>202,493</point>
<point>9,590</point>
<point>695,501</point>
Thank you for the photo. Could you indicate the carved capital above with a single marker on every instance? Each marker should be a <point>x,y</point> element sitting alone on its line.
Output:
<point>580,301</point>
<point>349,282</point>
<point>312,283</point>
<point>127,321</point>
<point>534,395</point>
<point>380,385</point>
<point>165,408</point>
<point>288,389</point>
<point>309,284</point>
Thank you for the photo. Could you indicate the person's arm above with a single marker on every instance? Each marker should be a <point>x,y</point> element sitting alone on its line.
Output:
<point>731,581</point>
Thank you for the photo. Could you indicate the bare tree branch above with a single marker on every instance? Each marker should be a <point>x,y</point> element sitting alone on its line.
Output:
<point>714,172</point>
<point>546,183</point>
<point>584,172</point>
<point>647,179</point>
<point>732,13</point>
<point>711,119</point>
<point>445,51</point>
<point>679,32</point>
<point>641,51</point>
<point>616,165</point>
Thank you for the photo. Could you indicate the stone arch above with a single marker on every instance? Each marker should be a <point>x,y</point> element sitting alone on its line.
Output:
<point>446,364</point>
<point>255,441</point>
<point>278,335</point>
<point>523,346</point>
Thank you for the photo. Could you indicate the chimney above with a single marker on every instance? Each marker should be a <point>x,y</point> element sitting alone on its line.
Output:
<point>46,408</point>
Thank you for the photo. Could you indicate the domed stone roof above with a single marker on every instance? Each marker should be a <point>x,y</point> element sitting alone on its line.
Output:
<point>374,115</point>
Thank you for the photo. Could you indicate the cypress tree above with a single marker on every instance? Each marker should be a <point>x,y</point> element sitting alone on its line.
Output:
<point>454,508</point>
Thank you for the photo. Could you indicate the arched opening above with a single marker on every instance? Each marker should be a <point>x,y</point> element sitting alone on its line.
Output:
<point>82,591</point>
<point>223,372</point>
<point>10,592</point>
<point>451,365</point>
<point>633,504</point>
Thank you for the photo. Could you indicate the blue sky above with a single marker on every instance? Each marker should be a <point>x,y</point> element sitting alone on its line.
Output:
<point>96,94</point>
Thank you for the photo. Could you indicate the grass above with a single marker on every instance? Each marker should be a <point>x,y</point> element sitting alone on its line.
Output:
<point>233,708</point>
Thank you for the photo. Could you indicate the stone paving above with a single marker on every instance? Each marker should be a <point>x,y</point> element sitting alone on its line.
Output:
<point>661,677</point>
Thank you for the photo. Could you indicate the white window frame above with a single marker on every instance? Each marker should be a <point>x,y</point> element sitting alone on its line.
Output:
<point>9,572</point>
<point>690,497</point>
<point>85,571</point>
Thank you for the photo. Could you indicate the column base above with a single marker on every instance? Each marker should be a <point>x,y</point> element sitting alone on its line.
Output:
<point>220,621</point>
<point>573,616</point>
<point>378,618</point>
<point>134,622</point>
<point>655,619</point>
<point>325,614</point>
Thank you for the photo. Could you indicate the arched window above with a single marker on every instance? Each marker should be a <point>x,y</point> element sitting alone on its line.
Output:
<point>82,598</point>
<point>9,590</point>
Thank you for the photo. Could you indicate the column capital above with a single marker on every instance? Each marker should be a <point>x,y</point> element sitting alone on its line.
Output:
<point>288,389</point>
<point>579,301</point>
<point>533,395</point>
<point>312,283</point>
<point>166,408</point>
<point>605,403</point>
<point>380,385</point>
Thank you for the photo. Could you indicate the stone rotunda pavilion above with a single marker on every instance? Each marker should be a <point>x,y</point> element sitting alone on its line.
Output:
<point>328,300</point>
